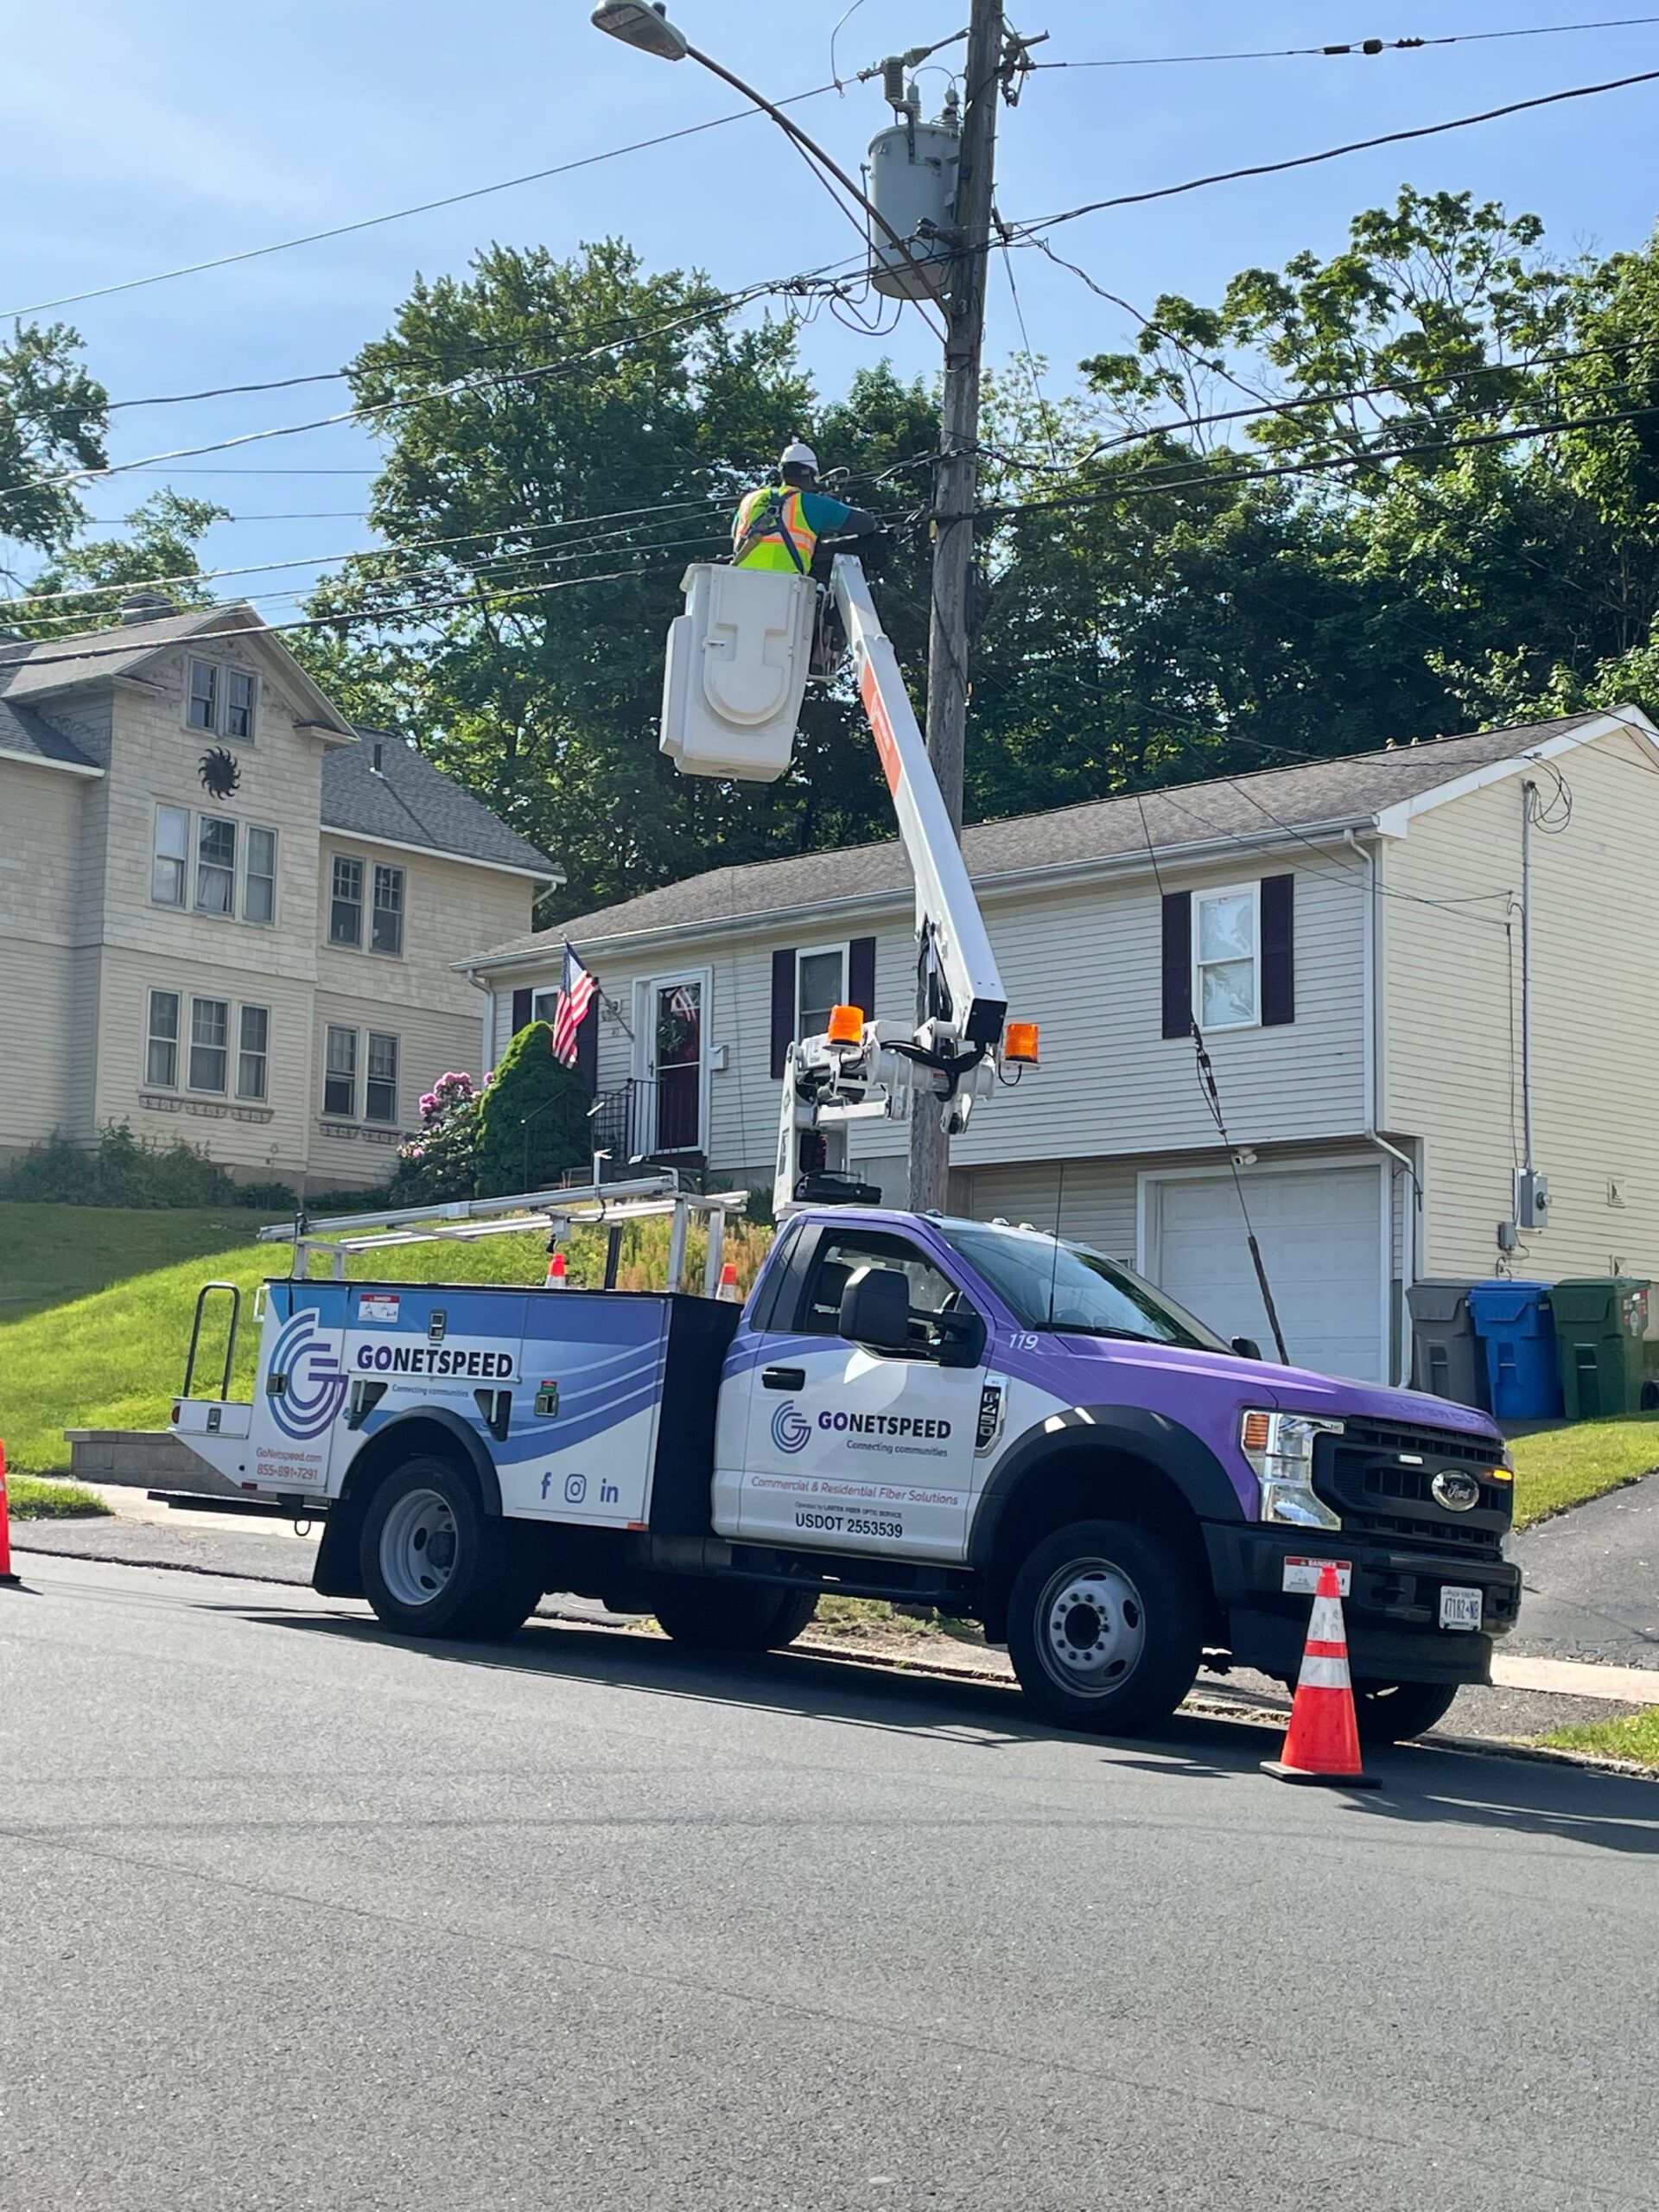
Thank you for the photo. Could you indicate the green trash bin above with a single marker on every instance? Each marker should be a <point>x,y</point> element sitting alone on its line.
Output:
<point>1607,1364</point>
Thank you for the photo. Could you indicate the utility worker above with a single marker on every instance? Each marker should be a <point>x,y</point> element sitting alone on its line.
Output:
<point>779,525</point>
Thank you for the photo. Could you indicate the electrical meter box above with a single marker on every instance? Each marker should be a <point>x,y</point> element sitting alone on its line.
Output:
<point>738,660</point>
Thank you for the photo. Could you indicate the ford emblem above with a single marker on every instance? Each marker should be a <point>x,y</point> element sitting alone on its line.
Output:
<point>1457,1493</point>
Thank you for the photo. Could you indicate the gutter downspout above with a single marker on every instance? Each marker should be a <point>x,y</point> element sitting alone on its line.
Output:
<point>1375,1017</point>
<point>488,1025</point>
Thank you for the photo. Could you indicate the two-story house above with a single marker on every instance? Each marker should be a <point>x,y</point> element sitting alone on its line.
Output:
<point>1408,967</point>
<point>224,913</point>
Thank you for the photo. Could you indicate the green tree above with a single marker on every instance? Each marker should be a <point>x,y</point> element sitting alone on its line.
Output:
<point>82,587</point>
<point>53,418</point>
<point>532,1119</point>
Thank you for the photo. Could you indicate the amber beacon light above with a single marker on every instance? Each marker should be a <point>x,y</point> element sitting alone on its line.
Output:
<point>846,1025</point>
<point>1019,1045</point>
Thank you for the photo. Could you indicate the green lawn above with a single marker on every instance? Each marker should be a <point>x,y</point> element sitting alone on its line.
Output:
<point>1564,1466</point>
<point>115,1359</point>
<point>51,1253</point>
<point>1636,1738</point>
<point>33,1500</point>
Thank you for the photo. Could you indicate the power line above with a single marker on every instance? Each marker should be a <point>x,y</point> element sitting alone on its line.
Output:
<point>1333,153</point>
<point>722,304</point>
<point>10,658</point>
<point>400,215</point>
<point>1358,46</point>
<point>1215,477</point>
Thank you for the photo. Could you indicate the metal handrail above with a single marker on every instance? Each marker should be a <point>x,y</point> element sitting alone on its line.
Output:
<point>202,1296</point>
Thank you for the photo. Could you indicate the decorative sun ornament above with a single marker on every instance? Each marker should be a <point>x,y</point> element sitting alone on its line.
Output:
<point>218,772</point>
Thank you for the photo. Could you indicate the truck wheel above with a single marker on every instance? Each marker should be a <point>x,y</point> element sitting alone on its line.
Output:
<point>1103,1628</point>
<point>1392,1712</point>
<point>435,1563</point>
<point>732,1616</point>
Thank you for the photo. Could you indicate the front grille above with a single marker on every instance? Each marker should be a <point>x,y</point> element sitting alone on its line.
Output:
<point>1361,1473</point>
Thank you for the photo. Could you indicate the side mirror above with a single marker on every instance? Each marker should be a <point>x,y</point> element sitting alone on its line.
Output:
<point>962,1337</point>
<point>876,1311</point>
<point>1247,1348</point>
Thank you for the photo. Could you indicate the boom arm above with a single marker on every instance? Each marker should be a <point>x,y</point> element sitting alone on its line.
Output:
<point>966,1003</point>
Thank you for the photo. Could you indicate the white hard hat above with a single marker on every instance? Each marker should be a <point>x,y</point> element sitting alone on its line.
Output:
<point>799,456</point>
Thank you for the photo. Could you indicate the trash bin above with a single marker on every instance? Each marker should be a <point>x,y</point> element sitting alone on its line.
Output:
<point>1514,1321</point>
<point>1601,1341</point>
<point>1447,1357</point>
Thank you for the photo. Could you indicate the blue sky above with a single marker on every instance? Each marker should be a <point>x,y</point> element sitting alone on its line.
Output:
<point>133,141</point>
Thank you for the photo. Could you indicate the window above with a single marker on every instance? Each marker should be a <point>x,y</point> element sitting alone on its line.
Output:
<point>1225,938</point>
<point>238,704</point>
<point>210,1038</point>
<point>345,905</point>
<point>1049,1285</point>
<point>380,1089</point>
<point>387,929</point>
<point>340,1072</point>
<point>161,1049</point>
<point>172,857</point>
<point>201,710</point>
<point>844,1257</point>
<point>820,983</point>
<point>253,1052</point>
<point>215,866</point>
<point>260,883</point>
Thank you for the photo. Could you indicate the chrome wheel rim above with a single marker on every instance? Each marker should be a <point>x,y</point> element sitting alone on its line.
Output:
<point>417,1547</point>
<point>1091,1628</point>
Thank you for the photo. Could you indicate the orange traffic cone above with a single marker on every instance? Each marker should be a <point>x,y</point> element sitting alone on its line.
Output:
<point>7,1579</point>
<point>728,1289</point>
<point>1322,1743</point>
<point>555,1272</point>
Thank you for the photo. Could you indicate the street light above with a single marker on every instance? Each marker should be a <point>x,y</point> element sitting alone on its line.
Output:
<point>635,24</point>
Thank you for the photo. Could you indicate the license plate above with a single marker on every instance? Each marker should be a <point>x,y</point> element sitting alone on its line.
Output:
<point>1303,1574</point>
<point>1459,1608</point>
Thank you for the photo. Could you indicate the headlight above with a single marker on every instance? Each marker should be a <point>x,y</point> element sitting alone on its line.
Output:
<point>1279,1447</point>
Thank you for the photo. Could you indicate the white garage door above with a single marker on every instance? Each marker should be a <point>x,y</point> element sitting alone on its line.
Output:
<point>1320,1231</point>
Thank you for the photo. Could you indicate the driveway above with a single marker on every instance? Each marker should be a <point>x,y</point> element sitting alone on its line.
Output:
<point>1592,1581</point>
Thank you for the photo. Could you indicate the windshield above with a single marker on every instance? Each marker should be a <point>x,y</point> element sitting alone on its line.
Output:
<point>1048,1285</point>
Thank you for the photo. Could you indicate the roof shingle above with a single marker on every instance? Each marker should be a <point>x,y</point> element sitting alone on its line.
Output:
<point>1322,794</point>
<point>409,802</point>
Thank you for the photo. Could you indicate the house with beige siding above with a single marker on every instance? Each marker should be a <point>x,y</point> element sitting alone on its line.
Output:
<point>227,915</point>
<point>1407,967</point>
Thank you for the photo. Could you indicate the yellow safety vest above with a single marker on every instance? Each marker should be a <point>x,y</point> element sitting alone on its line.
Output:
<point>770,531</point>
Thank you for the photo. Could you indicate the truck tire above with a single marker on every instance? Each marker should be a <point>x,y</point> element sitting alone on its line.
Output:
<point>1104,1628</point>
<point>1393,1713</point>
<point>732,1616</point>
<point>435,1564</point>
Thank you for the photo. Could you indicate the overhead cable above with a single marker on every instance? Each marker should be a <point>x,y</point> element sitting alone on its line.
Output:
<point>1333,153</point>
<point>1356,46</point>
<point>400,215</point>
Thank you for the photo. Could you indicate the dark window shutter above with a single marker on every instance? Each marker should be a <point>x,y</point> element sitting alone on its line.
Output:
<point>588,1048</point>
<point>783,1008</point>
<point>1278,951</point>
<point>1178,964</point>
<point>522,1016</point>
<point>860,976</point>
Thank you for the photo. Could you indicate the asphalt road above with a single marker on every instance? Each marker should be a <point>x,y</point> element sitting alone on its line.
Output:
<point>1592,1581</point>
<point>296,1915</point>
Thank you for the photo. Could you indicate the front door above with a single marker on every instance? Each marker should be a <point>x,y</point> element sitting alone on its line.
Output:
<point>674,1039</point>
<point>850,1450</point>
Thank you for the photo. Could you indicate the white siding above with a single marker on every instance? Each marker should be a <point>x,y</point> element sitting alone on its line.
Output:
<point>1452,1064</point>
<point>1085,962</point>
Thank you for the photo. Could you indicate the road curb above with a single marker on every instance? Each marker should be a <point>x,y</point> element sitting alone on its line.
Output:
<point>1197,1708</point>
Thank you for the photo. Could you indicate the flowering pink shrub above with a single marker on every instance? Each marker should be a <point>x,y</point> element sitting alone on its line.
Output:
<point>438,1163</point>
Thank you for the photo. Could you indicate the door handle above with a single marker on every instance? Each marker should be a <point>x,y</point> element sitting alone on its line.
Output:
<point>783,1378</point>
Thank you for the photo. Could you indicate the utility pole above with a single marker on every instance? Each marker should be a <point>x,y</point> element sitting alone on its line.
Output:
<point>955,490</point>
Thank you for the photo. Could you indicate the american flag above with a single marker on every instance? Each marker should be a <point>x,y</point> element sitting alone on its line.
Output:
<point>569,1009</point>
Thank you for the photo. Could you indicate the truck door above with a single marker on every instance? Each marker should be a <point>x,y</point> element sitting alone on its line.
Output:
<point>850,1450</point>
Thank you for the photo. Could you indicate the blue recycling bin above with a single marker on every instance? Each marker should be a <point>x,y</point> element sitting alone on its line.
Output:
<point>1515,1323</point>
